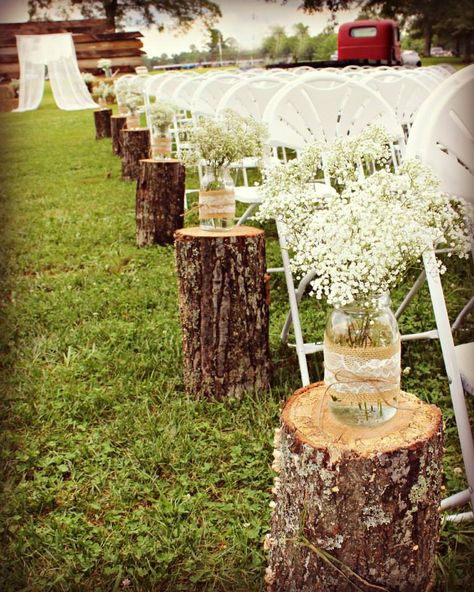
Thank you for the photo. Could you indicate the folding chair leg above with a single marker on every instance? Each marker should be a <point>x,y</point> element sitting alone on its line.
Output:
<point>299,295</point>
<point>455,384</point>
<point>247,213</point>
<point>411,294</point>
<point>294,311</point>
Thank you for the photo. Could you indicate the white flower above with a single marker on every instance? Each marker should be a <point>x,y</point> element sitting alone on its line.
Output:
<point>104,63</point>
<point>362,238</point>
<point>162,113</point>
<point>226,139</point>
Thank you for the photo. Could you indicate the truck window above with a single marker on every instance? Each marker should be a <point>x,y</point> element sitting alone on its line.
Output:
<point>363,32</point>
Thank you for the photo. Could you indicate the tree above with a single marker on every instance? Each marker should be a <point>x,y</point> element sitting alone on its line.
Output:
<point>277,44</point>
<point>120,12</point>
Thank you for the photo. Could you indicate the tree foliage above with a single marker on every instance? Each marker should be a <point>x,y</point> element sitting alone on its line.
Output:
<point>121,12</point>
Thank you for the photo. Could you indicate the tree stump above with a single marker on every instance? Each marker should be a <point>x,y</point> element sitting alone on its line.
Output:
<point>117,122</point>
<point>223,295</point>
<point>354,507</point>
<point>135,147</point>
<point>102,123</point>
<point>160,201</point>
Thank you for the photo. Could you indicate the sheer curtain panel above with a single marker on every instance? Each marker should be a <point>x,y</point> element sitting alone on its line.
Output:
<point>58,54</point>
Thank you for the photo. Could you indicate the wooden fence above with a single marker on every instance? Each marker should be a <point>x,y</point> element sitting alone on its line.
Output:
<point>93,39</point>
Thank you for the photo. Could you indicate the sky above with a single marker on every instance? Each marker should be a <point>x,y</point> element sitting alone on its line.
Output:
<point>248,21</point>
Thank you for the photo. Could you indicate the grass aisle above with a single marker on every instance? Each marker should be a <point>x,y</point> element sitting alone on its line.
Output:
<point>111,477</point>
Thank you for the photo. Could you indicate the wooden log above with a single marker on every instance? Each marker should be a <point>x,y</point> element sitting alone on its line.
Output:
<point>159,201</point>
<point>102,123</point>
<point>224,311</point>
<point>354,507</point>
<point>135,147</point>
<point>117,123</point>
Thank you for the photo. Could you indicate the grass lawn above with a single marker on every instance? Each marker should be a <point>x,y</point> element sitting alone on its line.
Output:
<point>111,477</point>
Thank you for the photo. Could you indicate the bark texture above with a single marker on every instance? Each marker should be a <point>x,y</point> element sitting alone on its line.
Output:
<point>360,501</point>
<point>135,147</point>
<point>224,311</point>
<point>102,123</point>
<point>117,122</point>
<point>160,201</point>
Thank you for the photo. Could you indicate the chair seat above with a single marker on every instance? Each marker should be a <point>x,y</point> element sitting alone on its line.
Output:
<point>465,361</point>
<point>248,195</point>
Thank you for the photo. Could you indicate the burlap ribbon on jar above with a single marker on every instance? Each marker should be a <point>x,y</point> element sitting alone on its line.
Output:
<point>217,204</point>
<point>160,145</point>
<point>362,374</point>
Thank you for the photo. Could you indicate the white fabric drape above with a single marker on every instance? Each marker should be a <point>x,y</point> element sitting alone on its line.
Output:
<point>58,53</point>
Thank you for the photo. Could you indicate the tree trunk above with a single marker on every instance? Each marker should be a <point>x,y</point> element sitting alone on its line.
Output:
<point>117,122</point>
<point>224,311</point>
<point>427,38</point>
<point>110,7</point>
<point>466,54</point>
<point>135,147</point>
<point>160,201</point>
<point>102,123</point>
<point>361,501</point>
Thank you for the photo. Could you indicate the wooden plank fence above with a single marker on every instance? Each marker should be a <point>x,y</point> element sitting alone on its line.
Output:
<point>93,40</point>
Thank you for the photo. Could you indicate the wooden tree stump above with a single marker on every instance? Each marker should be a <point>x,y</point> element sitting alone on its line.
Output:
<point>117,122</point>
<point>362,501</point>
<point>135,147</point>
<point>160,201</point>
<point>102,123</point>
<point>224,311</point>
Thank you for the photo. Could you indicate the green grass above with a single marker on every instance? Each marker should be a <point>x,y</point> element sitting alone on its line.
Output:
<point>110,474</point>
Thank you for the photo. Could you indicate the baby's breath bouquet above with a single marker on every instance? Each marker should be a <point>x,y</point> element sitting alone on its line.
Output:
<point>217,143</point>
<point>357,239</point>
<point>363,234</point>
<point>105,65</point>
<point>161,115</point>
<point>104,93</point>
<point>226,139</point>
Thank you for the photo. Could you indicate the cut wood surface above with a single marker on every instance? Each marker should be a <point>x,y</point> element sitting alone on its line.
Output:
<point>135,147</point>
<point>159,201</point>
<point>102,123</point>
<point>355,506</point>
<point>224,311</point>
<point>117,123</point>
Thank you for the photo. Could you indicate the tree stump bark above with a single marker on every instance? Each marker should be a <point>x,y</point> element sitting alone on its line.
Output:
<point>354,508</point>
<point>117,122</point>
<point>102,123</point>
<point>135,147</point>
<point>160,201</point>
<point>223,294</point>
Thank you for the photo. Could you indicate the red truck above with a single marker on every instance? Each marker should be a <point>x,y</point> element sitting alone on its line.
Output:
<point>371,41</point>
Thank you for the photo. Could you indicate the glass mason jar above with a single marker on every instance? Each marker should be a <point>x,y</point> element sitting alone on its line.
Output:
<point>216,199</point>
<point>160,146</point>
<point>133,120</point>
<point>362,362</point>
<point>108,72</point>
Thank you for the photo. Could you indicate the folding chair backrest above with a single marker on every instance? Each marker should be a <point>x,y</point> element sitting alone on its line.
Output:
<point>443,131</point>
<point>209,94</point>
<point>325,106</point>
<point>250,97</point>
<point>405,94</point>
